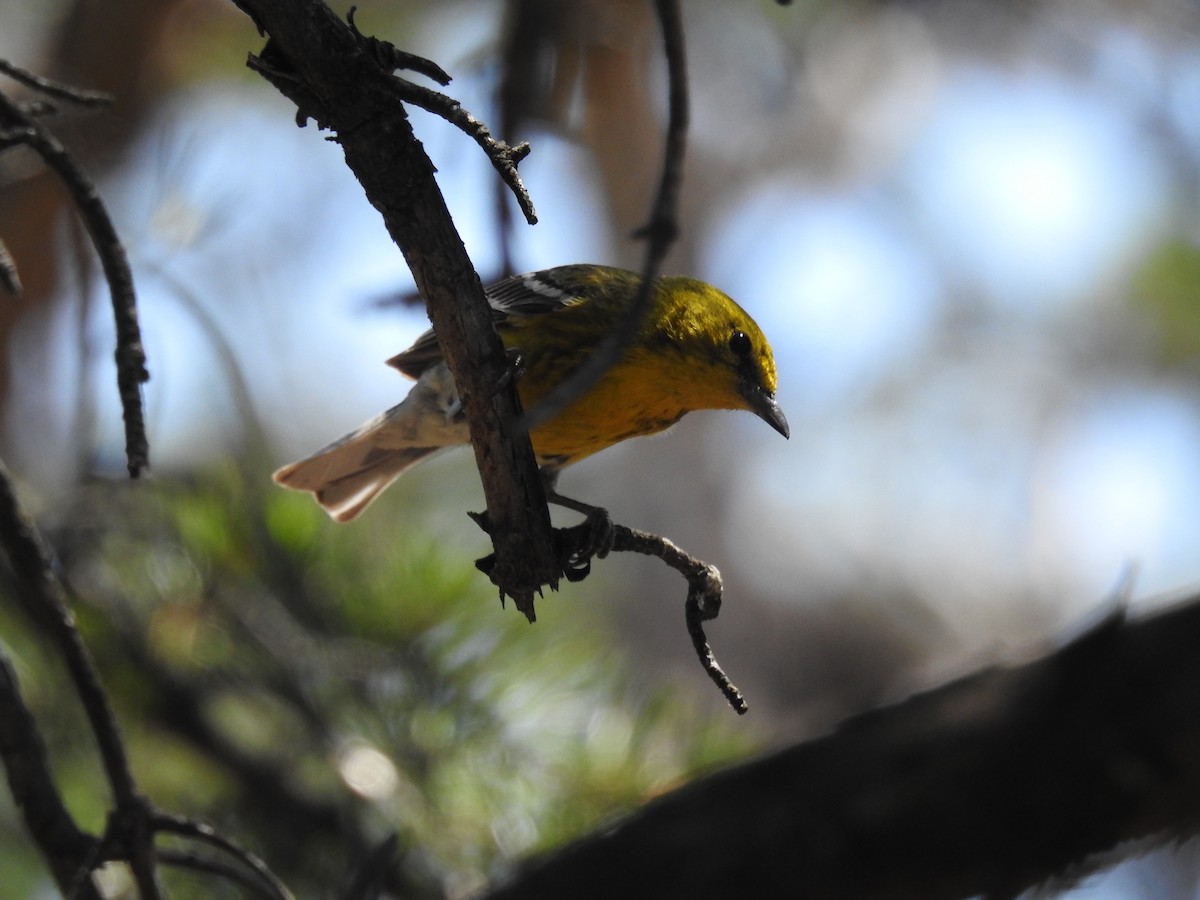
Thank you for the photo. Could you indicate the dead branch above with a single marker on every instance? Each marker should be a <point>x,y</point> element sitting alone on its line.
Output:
<point>989,785</point>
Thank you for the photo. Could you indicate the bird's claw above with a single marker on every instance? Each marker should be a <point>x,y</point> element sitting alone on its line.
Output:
<point>591,539</point>
<point>514,370</point>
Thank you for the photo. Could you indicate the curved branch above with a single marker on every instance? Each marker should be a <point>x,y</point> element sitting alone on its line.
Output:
<point>45,598</point>
<point>986,786</point>
<point>63,845</point>
<point>659,231</point>
<point>259,875</point>
<point>703,598</point>
<point>17,124</point>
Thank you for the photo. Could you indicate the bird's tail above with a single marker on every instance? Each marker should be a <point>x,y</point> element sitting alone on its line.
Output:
<point>348,474</point>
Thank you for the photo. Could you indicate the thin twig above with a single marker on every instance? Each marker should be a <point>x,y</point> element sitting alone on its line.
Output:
<point>703,579</point>
<point>503,157</point>
<point>57,89</point>
<point>659,231</point>
<point>183,859</point>
<point>130,354</point>
<point>268,882</point>
<point>391,57</point>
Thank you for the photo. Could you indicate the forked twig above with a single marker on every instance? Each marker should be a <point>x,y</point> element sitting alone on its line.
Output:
<point>504,158</point>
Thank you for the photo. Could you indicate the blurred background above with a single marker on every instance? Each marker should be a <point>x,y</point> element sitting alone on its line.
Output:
<point>971,231</point>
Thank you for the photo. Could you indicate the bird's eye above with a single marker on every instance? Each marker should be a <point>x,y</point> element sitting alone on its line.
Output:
<point>739,343</point>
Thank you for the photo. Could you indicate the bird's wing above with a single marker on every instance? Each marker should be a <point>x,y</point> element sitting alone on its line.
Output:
<point>521,295</point>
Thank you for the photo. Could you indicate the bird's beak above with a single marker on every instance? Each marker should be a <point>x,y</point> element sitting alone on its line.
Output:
<point>762,404</point>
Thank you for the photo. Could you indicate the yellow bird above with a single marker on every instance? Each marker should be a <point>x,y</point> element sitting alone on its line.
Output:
<point>696,349</point>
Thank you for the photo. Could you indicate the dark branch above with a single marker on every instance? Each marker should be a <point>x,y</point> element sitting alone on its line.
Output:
<point>703,598</point>
<point>45,597</point>
<point>65,848</point>
<point>56,89</point>
<point>503,157</point>
<point>576,547</point>
<point>183,859</point>
<point>659,231</point>
<point>321,65</point>
<point>130,355</point>
<point>391,57</point>
<point>989,785</point>
<point>256,871</point>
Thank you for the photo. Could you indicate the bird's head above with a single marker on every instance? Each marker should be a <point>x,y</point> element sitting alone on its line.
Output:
<point>727,362</point>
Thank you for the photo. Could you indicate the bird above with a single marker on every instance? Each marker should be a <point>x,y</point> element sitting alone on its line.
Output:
<point>695,349</point>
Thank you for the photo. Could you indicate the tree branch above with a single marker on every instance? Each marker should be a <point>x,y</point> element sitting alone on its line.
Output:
<point>703,599</point>
<point>19,125</point>
<point>44,596</point>
<point>659,231</point>
<point>321,64</point>
<point>63,845</point>
<point>989,785</point>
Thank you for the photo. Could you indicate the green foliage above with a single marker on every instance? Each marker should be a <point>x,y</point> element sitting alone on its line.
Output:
<point>310,688</point>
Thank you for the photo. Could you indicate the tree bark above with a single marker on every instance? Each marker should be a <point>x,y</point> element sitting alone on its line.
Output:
<point>987,786</point>
<point>328,71</point>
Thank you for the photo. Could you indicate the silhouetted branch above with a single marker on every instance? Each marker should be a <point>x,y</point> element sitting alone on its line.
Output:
<point>703,599</point>
<point>18,125</point>
<point>989,785</point>
<point>321,64</point>
<point>64,846</point>
<point>254,871</point>
<point>502,157</point>
<point>44,596</point>
<point>659,231</point>
<point>56,89</point>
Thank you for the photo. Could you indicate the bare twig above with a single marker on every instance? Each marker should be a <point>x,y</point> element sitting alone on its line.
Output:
<point>265,881</point>
<point>130,355</point>
<point>391,57</point>
<point>659,231</point>
<point>703,599</point>
<point>503,157</point>
<point>183,859</point>
<point>703,579</point>
<point>57,89</point>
